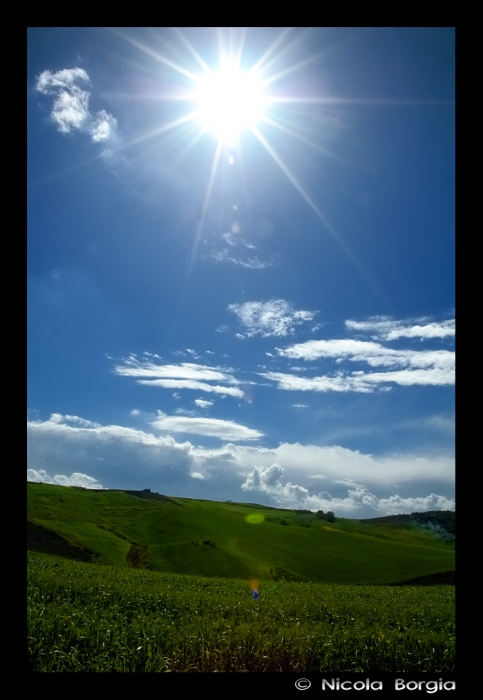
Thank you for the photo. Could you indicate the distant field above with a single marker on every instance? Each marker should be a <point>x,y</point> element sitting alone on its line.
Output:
<point>211,539</point>
<point>84,617</point>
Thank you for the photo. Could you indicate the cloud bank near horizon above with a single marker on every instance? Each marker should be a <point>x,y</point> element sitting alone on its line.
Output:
<point>288,476</point>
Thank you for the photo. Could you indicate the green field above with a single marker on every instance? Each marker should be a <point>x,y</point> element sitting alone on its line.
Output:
<point>211,539</point>
<point>164,584</point>
<point>104,618</point>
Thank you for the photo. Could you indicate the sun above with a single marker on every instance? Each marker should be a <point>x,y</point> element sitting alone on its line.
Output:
<point>229,101</point>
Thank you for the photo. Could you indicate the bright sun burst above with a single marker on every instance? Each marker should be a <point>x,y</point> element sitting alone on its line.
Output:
<point>229,101</point>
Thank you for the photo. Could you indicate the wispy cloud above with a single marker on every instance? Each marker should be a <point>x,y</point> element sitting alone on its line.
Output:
<point>235,240</point>
<point>70,110</point>
<point>407,367</point>
<point>252,263</point>
<point>276,317</point>
<point>361,382</point>
<point>389,329</point>
<point>210,427</point>
<point>374,354</point>
<point>194,386</point>
<point>202,403</point>
<point>186,375</point>
<point>81,422</point>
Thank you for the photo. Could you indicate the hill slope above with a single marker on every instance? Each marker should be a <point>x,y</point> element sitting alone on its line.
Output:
<point>227,540</point>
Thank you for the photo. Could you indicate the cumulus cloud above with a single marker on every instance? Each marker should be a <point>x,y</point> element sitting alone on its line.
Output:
<point>268,480</point>
<point>186,375</point>
<point>75,479</point>
<point>276,317</point>
<point>337,463</point>
<point>389,329</point>
<point>70,110</point>
<point>211,427</point>
<point>202,403</point>
<point>288,475</point>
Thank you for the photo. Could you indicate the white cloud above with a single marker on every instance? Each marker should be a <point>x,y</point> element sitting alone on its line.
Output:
<point>185,370</point>
<point>383,327</point>
<point>374,354</point>
<point>252,263</point>
<point>195,386</point>
<point>234,240</point>
<point>49,83</point>
<point>303,462</point>
<point>211,427</point>
<point>408,367</point>
<point>108,454</point>
<point>103,126</point>
<point>82,422</point>
<point>186,375</point>
<point>202,403</point>
<point>268,480</point>
<point>75,479</point>
<point>134,412</point>
<point>70,110</point>
<point>361,382</point>
<point>276,317</point>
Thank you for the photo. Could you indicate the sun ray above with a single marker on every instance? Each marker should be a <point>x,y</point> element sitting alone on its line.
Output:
<point>259,64</point>
<point>154,54</point>
<point>291,69</point>
<point>299,137</point>
<point>159,130</point>
<point>191,48</point>
<point>316,210</point>
<point>199,229</point>
<point>206,202</point>
<point>283,51</point>
<point>241,44</point>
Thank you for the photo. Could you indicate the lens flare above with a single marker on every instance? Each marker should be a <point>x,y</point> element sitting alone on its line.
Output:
<point>255,518</point>
<point>254,587</point>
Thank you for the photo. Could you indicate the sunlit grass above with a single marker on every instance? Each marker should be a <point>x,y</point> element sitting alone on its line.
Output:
<point>85,617</point>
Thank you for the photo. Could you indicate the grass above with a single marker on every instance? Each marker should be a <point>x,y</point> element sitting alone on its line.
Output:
<point>87,617</point>
<point>126,530</point>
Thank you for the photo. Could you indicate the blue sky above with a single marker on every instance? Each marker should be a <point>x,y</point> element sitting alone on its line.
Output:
<point>241,264</point>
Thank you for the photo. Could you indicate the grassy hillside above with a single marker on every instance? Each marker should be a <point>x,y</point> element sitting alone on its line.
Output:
<point>207,538</point>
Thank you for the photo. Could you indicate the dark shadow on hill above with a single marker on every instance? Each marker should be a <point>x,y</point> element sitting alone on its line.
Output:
<point>41,539</point>
<point>147,493</point>
<point>442,578</point>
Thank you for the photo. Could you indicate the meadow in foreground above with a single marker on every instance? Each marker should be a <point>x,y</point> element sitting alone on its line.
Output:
<point>86,617</point>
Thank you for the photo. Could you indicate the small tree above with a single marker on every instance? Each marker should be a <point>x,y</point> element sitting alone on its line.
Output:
<point>330,516</point>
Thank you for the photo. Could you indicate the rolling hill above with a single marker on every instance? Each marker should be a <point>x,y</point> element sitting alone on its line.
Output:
<point>141,529</point>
